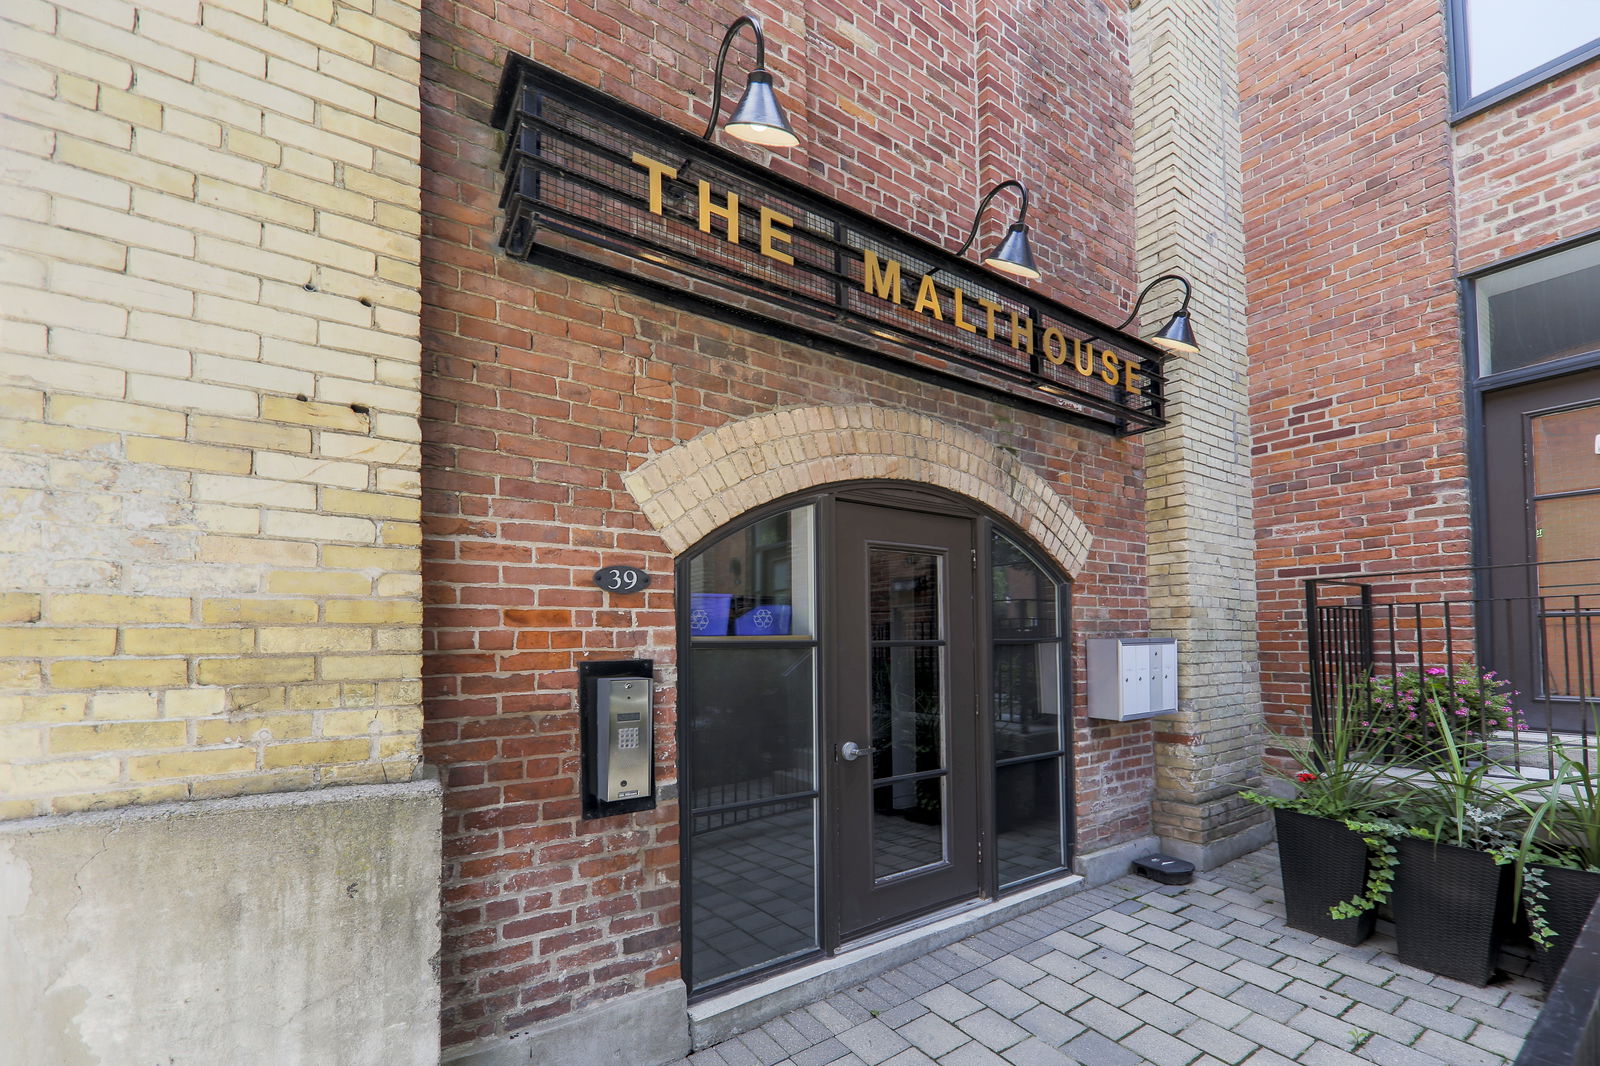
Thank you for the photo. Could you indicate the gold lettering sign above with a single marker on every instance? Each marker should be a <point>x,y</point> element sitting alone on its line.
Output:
<point>775,225</point>
<point>771,234</point>
<point>881,277</point>
<point>878,279</point>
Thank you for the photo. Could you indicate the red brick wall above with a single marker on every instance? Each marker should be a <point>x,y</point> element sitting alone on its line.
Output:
<point>1528,171</point>
<point>1355,359</point>
<point>541,389</point>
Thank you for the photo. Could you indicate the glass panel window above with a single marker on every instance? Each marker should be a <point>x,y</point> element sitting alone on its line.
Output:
<point>1539,311</point>
<point>1507,39</point>
<point>908,816</point>
<point>754,892</point>
<point>907,826</point>
<point>756,581</point>
<point>1027,807</point>
<point>904,595</point>
<point>1566,451</point>
<point>753,723</point>
<point>907,728</point>
<point>1027,699</point>
<point>1024,595</point>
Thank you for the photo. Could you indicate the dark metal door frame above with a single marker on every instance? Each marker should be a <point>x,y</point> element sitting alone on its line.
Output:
<point>1507,540</point>
<point>866,535</point>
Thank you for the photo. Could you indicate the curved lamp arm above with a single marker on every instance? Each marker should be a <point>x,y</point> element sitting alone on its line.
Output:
<point>722,58</point>
<point>1187,292</point>
<point>1022,215</point>
<point>1177,336</point>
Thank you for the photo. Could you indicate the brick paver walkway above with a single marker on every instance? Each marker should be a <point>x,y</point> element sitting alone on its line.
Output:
<point>1133,972</point>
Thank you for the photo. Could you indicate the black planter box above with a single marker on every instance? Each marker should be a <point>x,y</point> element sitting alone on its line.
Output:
<point>1571,895</point>
<point>1323,863</point>
<point>1449,906</point>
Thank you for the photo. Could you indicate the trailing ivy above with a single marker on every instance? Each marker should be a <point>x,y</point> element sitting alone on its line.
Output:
<point>1382,858</point>
<point>1531,897</point>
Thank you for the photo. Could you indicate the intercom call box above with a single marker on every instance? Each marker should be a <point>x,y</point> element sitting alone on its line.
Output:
<point>623,770</point>
<point>617,706</point>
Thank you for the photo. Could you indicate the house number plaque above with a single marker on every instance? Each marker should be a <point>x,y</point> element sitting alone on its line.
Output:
<point>621,579</point>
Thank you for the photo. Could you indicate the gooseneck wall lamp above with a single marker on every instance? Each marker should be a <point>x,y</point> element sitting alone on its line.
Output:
<point>1177,336</point>
<point>1013,256</point>
<point>759,119</point>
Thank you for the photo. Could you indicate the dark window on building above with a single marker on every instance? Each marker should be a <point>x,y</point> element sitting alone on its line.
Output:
<point>1539,310</point>
<point>1503,46</point>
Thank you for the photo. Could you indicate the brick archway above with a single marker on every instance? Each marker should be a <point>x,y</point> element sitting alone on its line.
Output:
<point>702,484</point>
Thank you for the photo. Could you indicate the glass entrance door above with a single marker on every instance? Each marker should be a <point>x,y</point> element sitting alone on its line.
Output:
<point>873,724</point>
<point>903,771</point>
<point>1542,461</point>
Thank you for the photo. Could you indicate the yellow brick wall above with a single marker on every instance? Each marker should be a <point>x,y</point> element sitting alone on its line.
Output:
<point>1199,508</point>
<point>209,360</point>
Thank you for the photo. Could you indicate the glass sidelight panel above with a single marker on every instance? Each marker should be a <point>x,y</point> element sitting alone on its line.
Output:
<point>1027,699</point>
<point>1028,819</point>
<point>754,893</point>
<point>1024,596</point>
<point>753,726</point>
<point>750,736</point>
<point>1029,728</point>
<point>757,581</point>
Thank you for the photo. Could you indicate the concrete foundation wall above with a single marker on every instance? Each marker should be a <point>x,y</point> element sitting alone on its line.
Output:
<point>271,930</point>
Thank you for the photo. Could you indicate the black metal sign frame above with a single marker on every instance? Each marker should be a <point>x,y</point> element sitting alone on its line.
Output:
<point>599,188</point>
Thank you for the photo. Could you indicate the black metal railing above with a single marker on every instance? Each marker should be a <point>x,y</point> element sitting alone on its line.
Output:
<point>1567,1031</point>
<point>1520,638</point>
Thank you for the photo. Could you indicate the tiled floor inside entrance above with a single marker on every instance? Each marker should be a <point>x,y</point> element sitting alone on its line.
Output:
<point>1133,972</point>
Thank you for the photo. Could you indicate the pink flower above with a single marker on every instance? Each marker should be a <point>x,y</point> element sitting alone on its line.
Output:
<point>1435,671</point>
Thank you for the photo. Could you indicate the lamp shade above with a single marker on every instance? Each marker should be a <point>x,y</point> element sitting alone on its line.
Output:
<point>1014,256</point>
<point>1177,336</point>
<point>759,118</point>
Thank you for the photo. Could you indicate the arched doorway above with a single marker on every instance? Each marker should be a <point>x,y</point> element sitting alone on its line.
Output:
<point>873,722</point>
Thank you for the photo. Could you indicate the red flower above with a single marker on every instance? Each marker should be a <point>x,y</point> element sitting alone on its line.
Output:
<point>1305,777</point>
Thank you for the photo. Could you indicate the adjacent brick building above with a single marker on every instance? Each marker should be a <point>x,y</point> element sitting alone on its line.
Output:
<point>1408,217</point>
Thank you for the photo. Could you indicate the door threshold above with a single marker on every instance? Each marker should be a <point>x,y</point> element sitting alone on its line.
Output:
<point>717,1018</point>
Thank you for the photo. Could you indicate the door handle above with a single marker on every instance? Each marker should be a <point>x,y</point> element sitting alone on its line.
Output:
<point>850,751</point>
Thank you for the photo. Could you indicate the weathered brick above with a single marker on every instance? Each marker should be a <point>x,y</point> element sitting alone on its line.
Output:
<point>117,737</point>
<point>205,763</point>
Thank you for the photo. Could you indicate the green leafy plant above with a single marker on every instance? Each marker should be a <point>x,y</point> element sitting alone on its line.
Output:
<point>1574,823</point>
<point>1359,1038</point>
<point>1476,803</point>
<point>1382,857</point>
<point>1530,896</point>
<point>1335,776</point>
<point>1341,776</point>
<point>1454,799</point>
